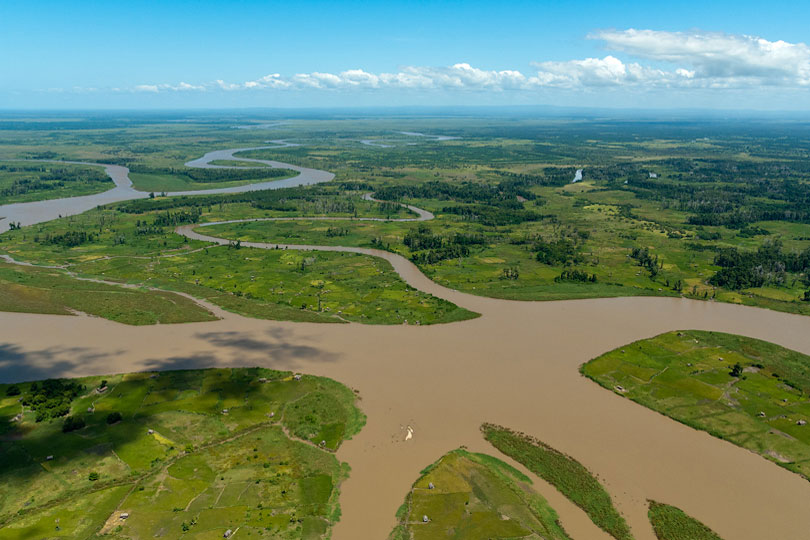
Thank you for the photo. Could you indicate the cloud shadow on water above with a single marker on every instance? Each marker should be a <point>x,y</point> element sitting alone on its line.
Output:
<point>18,365</point>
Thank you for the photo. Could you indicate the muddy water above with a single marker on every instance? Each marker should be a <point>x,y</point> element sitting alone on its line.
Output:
<point>516,365</point>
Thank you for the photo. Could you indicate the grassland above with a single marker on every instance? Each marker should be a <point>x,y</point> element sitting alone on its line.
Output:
<point>671,523</point>
<point>27,289</point>
<point>565,473</point>
<point>749,392</point>
<point>195,453</point>
<point>717,186</point>
<point>475,497</point>
<point>610,237</point>
<point>32,181</point>
<point>142,249</point>
<point>178,181</point>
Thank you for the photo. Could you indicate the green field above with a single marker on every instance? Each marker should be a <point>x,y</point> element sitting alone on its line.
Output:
<point>132,243</point>
<point>719,217</point>
<point>193,452</point>
<point>32,181</point>
<point>671,523</point>
<point>690,376</point>
<point>475,497</point>
<point>177,181</point>
<point>43,290</point>
<point>565,473</point>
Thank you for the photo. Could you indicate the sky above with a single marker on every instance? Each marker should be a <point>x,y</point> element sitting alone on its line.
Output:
<point>714,54</point>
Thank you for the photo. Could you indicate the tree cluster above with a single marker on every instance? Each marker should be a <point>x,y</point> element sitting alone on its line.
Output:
<point>51,398</point>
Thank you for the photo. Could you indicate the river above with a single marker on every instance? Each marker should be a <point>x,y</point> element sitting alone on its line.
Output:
<point>516,365</point>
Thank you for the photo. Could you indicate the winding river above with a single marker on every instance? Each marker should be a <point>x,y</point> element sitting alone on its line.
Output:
<point>516,365</point>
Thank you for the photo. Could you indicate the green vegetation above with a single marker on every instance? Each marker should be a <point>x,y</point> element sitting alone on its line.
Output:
<point>31,181</point>
<point>51,398</point>
<point>193,451</point>
<point>475,497</point>
<point>671,523</point>
<point>706,210</point>
<point>134,242</point>
<point>155,179</point>
<point>29,289</point>
<point>565,473</point>
<point>749,392</point>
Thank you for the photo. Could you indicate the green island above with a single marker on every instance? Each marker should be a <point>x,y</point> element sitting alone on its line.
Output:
<point>134,242</point>
<point>475,497</point>
<point>671,523</point>
<point>26,181</point>
<point>749,392</point>
<point>569,476</point>
<point>156,179</point>
<point>174,454</point>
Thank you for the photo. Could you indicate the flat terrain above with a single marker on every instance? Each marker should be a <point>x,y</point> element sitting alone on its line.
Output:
<point>442,381</point>
<point>135,243</point>
<point>174,452</point>
<point>672,523</point>
<point>659,211</point>
<point>160,180</point>
<point>27,289</point>
<point>749,392</point>
<point>22,181</point>
<point>475,497</point>
<point>722,219</point>
<point>565,473</point>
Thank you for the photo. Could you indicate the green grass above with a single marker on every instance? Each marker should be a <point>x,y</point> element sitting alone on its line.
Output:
<point>475,497</point>
<point>605,253</point>
<point>288,285</point>
<point>687,376</point>
<point>488,148</point>
<point>236,163</point>
<point>671,523</point>
<point>565,473</point>
<point>268,284</point>
<point>210,469</point>
<point>42,290</point>
<point>155,182</point>
<point>35,181</point>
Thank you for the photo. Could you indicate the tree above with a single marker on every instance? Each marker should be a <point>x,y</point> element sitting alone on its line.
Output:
<point>93,476</point>
<point>72,423</point>
<point>736,370</point>
<point>113,417</point>
<point>13,390</point>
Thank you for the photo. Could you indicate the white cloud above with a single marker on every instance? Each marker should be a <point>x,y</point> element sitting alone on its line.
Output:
<point>658,60</point>
<point>711,55</point>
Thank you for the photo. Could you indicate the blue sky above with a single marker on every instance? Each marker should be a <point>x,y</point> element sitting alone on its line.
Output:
<point>88,54</point>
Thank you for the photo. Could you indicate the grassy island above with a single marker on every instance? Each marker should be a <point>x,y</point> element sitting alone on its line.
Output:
<point>746,391</point>
<point>172,453</point>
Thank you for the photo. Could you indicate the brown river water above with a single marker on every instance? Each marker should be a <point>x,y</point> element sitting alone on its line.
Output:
<point>516,365</point>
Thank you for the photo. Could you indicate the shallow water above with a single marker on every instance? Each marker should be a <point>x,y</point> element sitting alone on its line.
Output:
<point>516,365</point>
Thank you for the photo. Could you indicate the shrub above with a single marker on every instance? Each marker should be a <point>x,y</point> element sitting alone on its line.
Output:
<point>72,423</point>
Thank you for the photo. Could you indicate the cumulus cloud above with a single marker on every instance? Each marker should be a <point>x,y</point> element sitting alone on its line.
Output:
<point>711,55</point>
<point>607,71</point>
<point>656,60</point>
